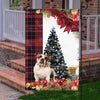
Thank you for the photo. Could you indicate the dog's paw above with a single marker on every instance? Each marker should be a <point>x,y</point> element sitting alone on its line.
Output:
<point>55,81</point>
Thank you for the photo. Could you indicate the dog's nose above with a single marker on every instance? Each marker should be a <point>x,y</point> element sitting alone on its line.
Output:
<point>42,59</point>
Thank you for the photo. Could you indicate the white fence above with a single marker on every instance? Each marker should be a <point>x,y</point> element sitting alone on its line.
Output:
<point>97,34</point>
<point>14,25</point>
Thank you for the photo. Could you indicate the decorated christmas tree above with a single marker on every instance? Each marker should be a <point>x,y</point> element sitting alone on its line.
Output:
<point>53,49</point>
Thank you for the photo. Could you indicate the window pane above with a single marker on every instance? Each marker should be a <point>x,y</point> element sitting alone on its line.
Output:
<point>99,34</point>
<point>84,34</point>
<point>92,33</point>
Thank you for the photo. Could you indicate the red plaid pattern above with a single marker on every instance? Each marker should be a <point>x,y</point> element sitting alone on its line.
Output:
<point>33,41</point>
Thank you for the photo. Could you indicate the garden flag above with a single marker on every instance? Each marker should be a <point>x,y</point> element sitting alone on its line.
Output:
<point>52,49</point>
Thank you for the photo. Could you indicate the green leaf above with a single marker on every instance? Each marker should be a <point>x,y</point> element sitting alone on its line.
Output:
<point>49,14</point>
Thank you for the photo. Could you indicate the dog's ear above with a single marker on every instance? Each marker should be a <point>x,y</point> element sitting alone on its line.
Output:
<point>38,54</point>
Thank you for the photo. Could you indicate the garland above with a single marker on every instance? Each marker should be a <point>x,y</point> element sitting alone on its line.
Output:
<point>65,18</point>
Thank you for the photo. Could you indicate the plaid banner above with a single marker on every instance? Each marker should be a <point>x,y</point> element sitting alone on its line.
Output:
<point>33,41</point>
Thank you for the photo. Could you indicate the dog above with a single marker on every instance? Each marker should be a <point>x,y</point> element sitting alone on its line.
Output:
<point>42,70</point>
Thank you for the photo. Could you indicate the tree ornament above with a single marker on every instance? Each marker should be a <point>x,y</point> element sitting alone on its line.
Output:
<point>38,11</point>
<point>74,88</point>
<point>33,87</point>
<point>37,88</point>
<point>47,88</point>
<point>27,85</point>
<point>74,11</point>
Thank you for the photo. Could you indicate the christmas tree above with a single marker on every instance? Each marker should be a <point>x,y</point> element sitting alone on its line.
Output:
<point>57,59</point>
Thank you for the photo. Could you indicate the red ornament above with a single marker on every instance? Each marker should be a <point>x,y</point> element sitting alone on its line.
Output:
<point>71,84</point>
<point>71,15</point>
<point>76,81</point>
<point>47,88</point>
<point>60,81</point>
<point>52,15</point>
<point>53,85</point>
<point>58,21</point>
<point>76,19</point>
<point>44,83</point>
<point>55,17</point>
<point>64,88</point>
<point>48,16</point>
<point>32,83</point>
<point>36,83</point>
<point>64,83</point>
<point>63,79</point>
<point>47,11</point>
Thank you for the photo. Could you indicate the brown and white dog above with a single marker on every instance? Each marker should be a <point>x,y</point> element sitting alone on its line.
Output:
<point>42,68</point>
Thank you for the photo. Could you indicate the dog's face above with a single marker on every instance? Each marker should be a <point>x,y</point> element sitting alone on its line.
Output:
<point>42,60</point>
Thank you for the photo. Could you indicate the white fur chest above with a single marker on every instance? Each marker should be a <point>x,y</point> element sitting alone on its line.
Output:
<point>42,72</point>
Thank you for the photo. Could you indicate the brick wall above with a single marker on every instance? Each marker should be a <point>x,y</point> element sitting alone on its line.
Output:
<point>49,4</point>
<point>90,68</point>
<point>27,4</point>
<point>92,9</point>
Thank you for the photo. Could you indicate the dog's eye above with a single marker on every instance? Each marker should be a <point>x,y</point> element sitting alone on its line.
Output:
<point>46,58</point>
<point>40,56</point>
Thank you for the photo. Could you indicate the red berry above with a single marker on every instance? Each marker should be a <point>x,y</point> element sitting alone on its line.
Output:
<point>44,82</point>
<point>64,83</point>
<point>48,16</point>
<point>47,11</point>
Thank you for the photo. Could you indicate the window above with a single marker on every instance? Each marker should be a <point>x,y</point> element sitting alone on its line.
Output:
<point>66,4</point>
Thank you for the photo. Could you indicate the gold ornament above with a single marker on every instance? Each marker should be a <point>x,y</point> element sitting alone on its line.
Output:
<point>33,87</point>
<point>37,11</point>
<point>68,80</point>
<point>74,88</point>
<point>58,87</point>
<point>74,11</point>
<point>37,88</point>
<point>27,85</point>
<point>41,86</point>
